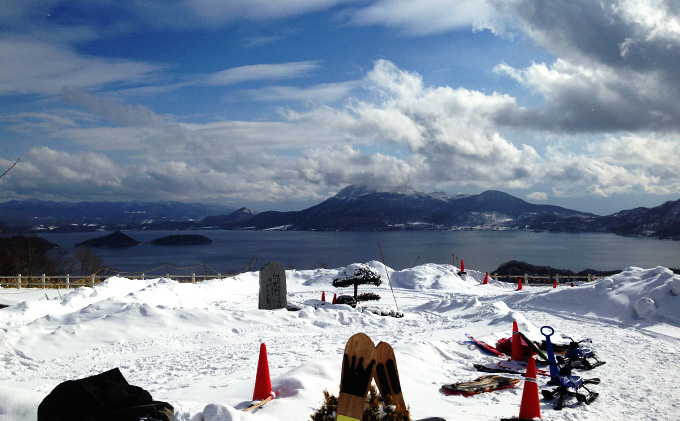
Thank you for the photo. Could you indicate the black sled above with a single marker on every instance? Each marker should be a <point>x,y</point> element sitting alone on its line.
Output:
<point>570,386</point>
<point>578,357</point>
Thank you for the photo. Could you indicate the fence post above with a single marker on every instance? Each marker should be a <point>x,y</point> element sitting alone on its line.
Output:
<point>557,279</point>
<point>219,276</point>
<point>142,276</point>
<point>92,281</point>
<point>193,278</point>
<point>43,281</point>
<point>526,279</point>
<point>589,278</point>
<point>19,281</point>
<point>68,281</point>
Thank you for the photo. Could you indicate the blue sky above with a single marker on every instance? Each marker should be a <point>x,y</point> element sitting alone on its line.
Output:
<point>278,105</point>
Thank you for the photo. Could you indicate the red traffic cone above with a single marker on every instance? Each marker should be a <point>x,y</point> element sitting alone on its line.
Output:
<point>486,278</point>
<point>530,408</point>
<point>263,385</point>
<point>323,296</point>
<point>554,283</point>
<point>519,284</point>
<point>517,352</point>
<point>572,284</point>
<point>335,298</point>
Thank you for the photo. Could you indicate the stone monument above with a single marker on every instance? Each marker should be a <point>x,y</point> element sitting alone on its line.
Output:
<point>273,286</point>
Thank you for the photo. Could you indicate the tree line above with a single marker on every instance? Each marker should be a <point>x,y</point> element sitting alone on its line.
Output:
<point>30,255</point>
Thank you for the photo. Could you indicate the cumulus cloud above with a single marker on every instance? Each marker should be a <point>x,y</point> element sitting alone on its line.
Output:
<point>660,19</point>
<point>401,132</point>
<point>52,174</point>
<point>337,167</point>
<point>592,99</point>
<point>618,65</point>
<point>453,140</point>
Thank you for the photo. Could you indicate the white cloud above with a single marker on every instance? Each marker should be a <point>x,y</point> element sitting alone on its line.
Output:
<point>659,19</point>
<point>44,68</point>
<point>116,112</point>
<point>593,98</point>
<point>317,94</point>
<point>537,195</point>
<point>45,172</point>
<point>658,151</point>
<point>262,72</point>
<point>409,133</point>
<point>337,167</point>
<point>219,11</point>
<point>624,35</point>
<point>428,17</point>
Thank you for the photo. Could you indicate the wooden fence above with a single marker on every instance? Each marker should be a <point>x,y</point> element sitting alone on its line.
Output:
<point>71,281</point>
<point>538,280</point>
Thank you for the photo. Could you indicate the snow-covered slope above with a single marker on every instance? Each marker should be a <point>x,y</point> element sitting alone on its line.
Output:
<point>196,345</point>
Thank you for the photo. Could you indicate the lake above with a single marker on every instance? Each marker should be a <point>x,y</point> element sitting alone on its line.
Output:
<point>233,251</point>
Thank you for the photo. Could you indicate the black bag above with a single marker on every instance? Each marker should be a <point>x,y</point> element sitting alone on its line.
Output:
<point>102,397</point>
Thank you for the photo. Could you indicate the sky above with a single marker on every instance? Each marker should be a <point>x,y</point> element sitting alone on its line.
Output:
<point>279,105</point>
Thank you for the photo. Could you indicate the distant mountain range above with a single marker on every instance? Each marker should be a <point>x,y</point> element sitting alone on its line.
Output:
<point>93,216</point>
<point>355,208</point>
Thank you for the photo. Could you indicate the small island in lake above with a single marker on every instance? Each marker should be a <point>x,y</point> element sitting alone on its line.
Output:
<point>181,240</point>
<point>115,239</point>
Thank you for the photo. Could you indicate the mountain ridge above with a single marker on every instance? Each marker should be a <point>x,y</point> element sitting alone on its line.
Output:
<point>359,208</point>
<point>363,208</point>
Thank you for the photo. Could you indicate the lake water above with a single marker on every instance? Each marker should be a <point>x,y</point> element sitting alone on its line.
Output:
<point>232,251</point>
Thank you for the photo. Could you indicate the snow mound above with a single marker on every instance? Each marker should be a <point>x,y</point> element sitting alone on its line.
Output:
<point>631,296</point>
<point>675,286</point>
<point>435,276</point>
<point>645,308</point>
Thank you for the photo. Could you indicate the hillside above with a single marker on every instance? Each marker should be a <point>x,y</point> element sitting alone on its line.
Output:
<point>354,208</point>
<point>362,208</point>
<point>661,221</point>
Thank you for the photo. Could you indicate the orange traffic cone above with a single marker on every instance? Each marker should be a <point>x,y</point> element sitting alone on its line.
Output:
<point>263,385</point>
<point>517,352</point>
<point>323,296</point>
<point>554,283</point>
<point>519,284</point>
<point>486,278</point>
<point>335,298</point>
<point>530,408</point>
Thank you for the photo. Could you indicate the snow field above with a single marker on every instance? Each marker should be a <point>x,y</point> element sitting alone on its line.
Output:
<point>197,345</point>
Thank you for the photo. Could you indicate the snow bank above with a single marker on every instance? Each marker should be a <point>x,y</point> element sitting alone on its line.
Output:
<point>631,296</point>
